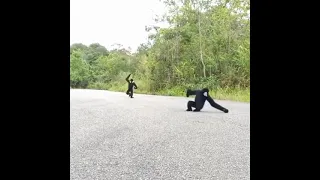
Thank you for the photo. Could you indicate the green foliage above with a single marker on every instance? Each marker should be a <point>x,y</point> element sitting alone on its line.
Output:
<point>80,73</point>
<point>207,45</point>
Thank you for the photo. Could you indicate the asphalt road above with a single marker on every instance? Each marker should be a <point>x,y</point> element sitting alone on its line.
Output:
<point>152,137</point>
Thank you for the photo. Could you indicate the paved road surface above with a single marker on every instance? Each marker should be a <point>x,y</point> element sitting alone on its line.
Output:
<point>153,137</point>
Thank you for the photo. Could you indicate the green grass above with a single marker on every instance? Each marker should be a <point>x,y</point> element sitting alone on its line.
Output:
<point>221,94</point>
<point>236,94</point>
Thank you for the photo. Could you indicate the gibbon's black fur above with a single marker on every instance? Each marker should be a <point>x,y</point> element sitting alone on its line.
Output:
<point>200,99</point>
<point>131,84</point>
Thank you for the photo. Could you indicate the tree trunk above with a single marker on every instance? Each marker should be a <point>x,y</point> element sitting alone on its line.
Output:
<point>200,45</point>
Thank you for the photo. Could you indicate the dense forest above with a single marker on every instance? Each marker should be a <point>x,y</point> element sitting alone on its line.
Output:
<point>206,45</point>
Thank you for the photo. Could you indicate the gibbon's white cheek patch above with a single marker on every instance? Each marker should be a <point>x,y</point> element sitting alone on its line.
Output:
<point>205,94</point>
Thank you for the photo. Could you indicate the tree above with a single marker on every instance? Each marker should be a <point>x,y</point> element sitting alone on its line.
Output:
<point>79,70</point>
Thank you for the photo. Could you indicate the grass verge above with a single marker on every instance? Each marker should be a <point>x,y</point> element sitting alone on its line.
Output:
<point>235,94</point>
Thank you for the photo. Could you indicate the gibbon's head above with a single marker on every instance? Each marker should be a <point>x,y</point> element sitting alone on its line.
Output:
<point>205,90</point>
